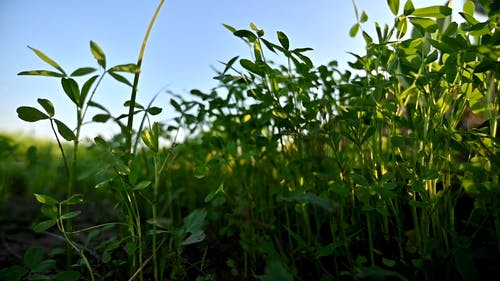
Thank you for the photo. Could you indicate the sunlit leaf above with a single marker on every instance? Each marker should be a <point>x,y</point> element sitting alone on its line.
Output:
<point>30,114</point>
<point>425,24</point>
<point>47,73</point>
<point>45,199</point>
<point>47,105</point>
<point>48,60</point>
<point>98,54</point>
<point>130,68</point>
<point>394,6</point>
<point>364,17</point>
<point>409,8</point>
<point>354,30</point>
<point>432,11</point>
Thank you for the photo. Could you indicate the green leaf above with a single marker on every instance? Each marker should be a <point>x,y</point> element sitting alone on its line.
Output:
<point>154,110</point>
<point>432,11</point>
<point>32,257</point>
<point>13,273</point>
<point>101,118</point>
<point>142,185</point>
<point>48,60</point>
<point>65,132</point>
<point>82,71</point>
<point>176,105</point>
<point>98,54</point>
<point>193,238</point>
<point>229,64</point>
<point>150,137</point>
<point>45,199</point>
<point>73,200</point>
<point>70,215</point>
<point>394,6</point>
<point>276,271</point>
<point>364,17</point>
<point>409,8</point>
<point>424,24</point>
<point>230,28</point>
<point>120,78</point>
<point>86,88</point>
<point>44,225</point>
<point>43,267</point>
<point>50,211</point>
<point>243,33</point>
<point>469,8</point>
<point>130,68</point>
<point>283,40</point>
<point>41,73</point>
<point>252,67</point>
<point>195,221</point>
<point>70,87</point>
<point>47,105</point>
<point>30,114</point>
<point>67,276</point>
<point>354,30</point>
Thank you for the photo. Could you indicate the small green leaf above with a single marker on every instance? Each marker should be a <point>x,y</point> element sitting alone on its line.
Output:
<point>424,24</point>
<point>130,68</point>
<point>101,118</point>
<point>154,110</point>
<point>243,33</point>
<point>98,54</point>
<point>176,105</point>
<point>43,267</point>
<point>74,199</point>
<point>142,185</point>
<point>70,87</point>
<point>30,114</point>
<point>45,199</point>
<point>70,215</point>
<point>199,171</point>
<point>230,28</point>
<point>41,73</point>
<point>67,276</point>
<point>44,225</point>
<point>469,8</point>
<point>86,88</point>
<point>82,71</point>
<point>432,11</point>
<point>120,78</point>
<point>65,132</point>
<point>48,60</point>
<point>47,105</point>
<point>13,273</point>
<point>33,256</point>
<point>252,67</point>
<point>195,221</point>
<point>363,18</point>
<point>354,30</point>
<point>409,8</point>
<point>283,40</point>
<point>50,211</point>
<point>394,6</point>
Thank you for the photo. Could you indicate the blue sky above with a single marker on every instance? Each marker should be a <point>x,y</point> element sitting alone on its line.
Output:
<point>187,40</point>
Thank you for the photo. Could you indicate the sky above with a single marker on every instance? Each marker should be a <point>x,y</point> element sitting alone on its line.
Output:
<point>186,43</point>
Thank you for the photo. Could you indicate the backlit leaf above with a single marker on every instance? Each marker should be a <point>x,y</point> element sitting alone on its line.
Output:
<point>130,68</point>
<point>86,88</point>
<point>48,60</point>
<point>41,73</point>
<point>82,71</point>
<point>45,199</point>
<point>432,11</point>
<point>409,8</point>
<point>98,54</point>
<point>70,87</point>
<point>354,30</point>
<point>30,114</point>
<point>47,105</point>
<point>65,132</point>
<point>394,6</point>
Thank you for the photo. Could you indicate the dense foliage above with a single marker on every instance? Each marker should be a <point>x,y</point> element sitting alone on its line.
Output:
<point>288,171</point>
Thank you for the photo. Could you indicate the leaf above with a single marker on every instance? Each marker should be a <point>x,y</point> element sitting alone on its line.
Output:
<point>70,215</point>
<point>45,199</point>
<point>74,199</point>
<point>424,24</point>
<point>101,118</point>
<point>176,105</point>
<point>13,273</point>
<point>67,276</point>
<point>65,132</point>
<point>33,256</point>
<point>98,54</point>
<point>394,6</point>
<point>30,114</point>
<point>86,88</point>
<point>194,238</point>
<point>276,271</point>
<point>252,67</point>
<point>142,185</point>
<point>43,267</point>
<point>50,211</point>
<point>432,11</point>
<point>229,64</point>
<point>71,89</point>
<point>409,8</point>
<point>150,138</point>
<point>48,60</point>
<point>82,71</point>
<point>469,8</point>
<point>44,225</point>
<point>154,110</point>
<point>230,28</point>
<point>243,33</point>
<point>364,17</point>
<point>130,68</point>
<point>194,222</point>
<point>120,78</point>
<point>42,73</point>
<point>283,40</point>
<point>47,105</point>
<point>354,30</point>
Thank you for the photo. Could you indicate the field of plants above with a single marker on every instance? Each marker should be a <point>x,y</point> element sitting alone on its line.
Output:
<point>285,171</point>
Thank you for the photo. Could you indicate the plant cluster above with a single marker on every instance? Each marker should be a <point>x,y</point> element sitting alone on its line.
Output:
<point>292,171</point>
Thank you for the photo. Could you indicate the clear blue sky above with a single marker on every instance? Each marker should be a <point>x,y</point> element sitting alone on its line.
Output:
<point>188,38</point>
